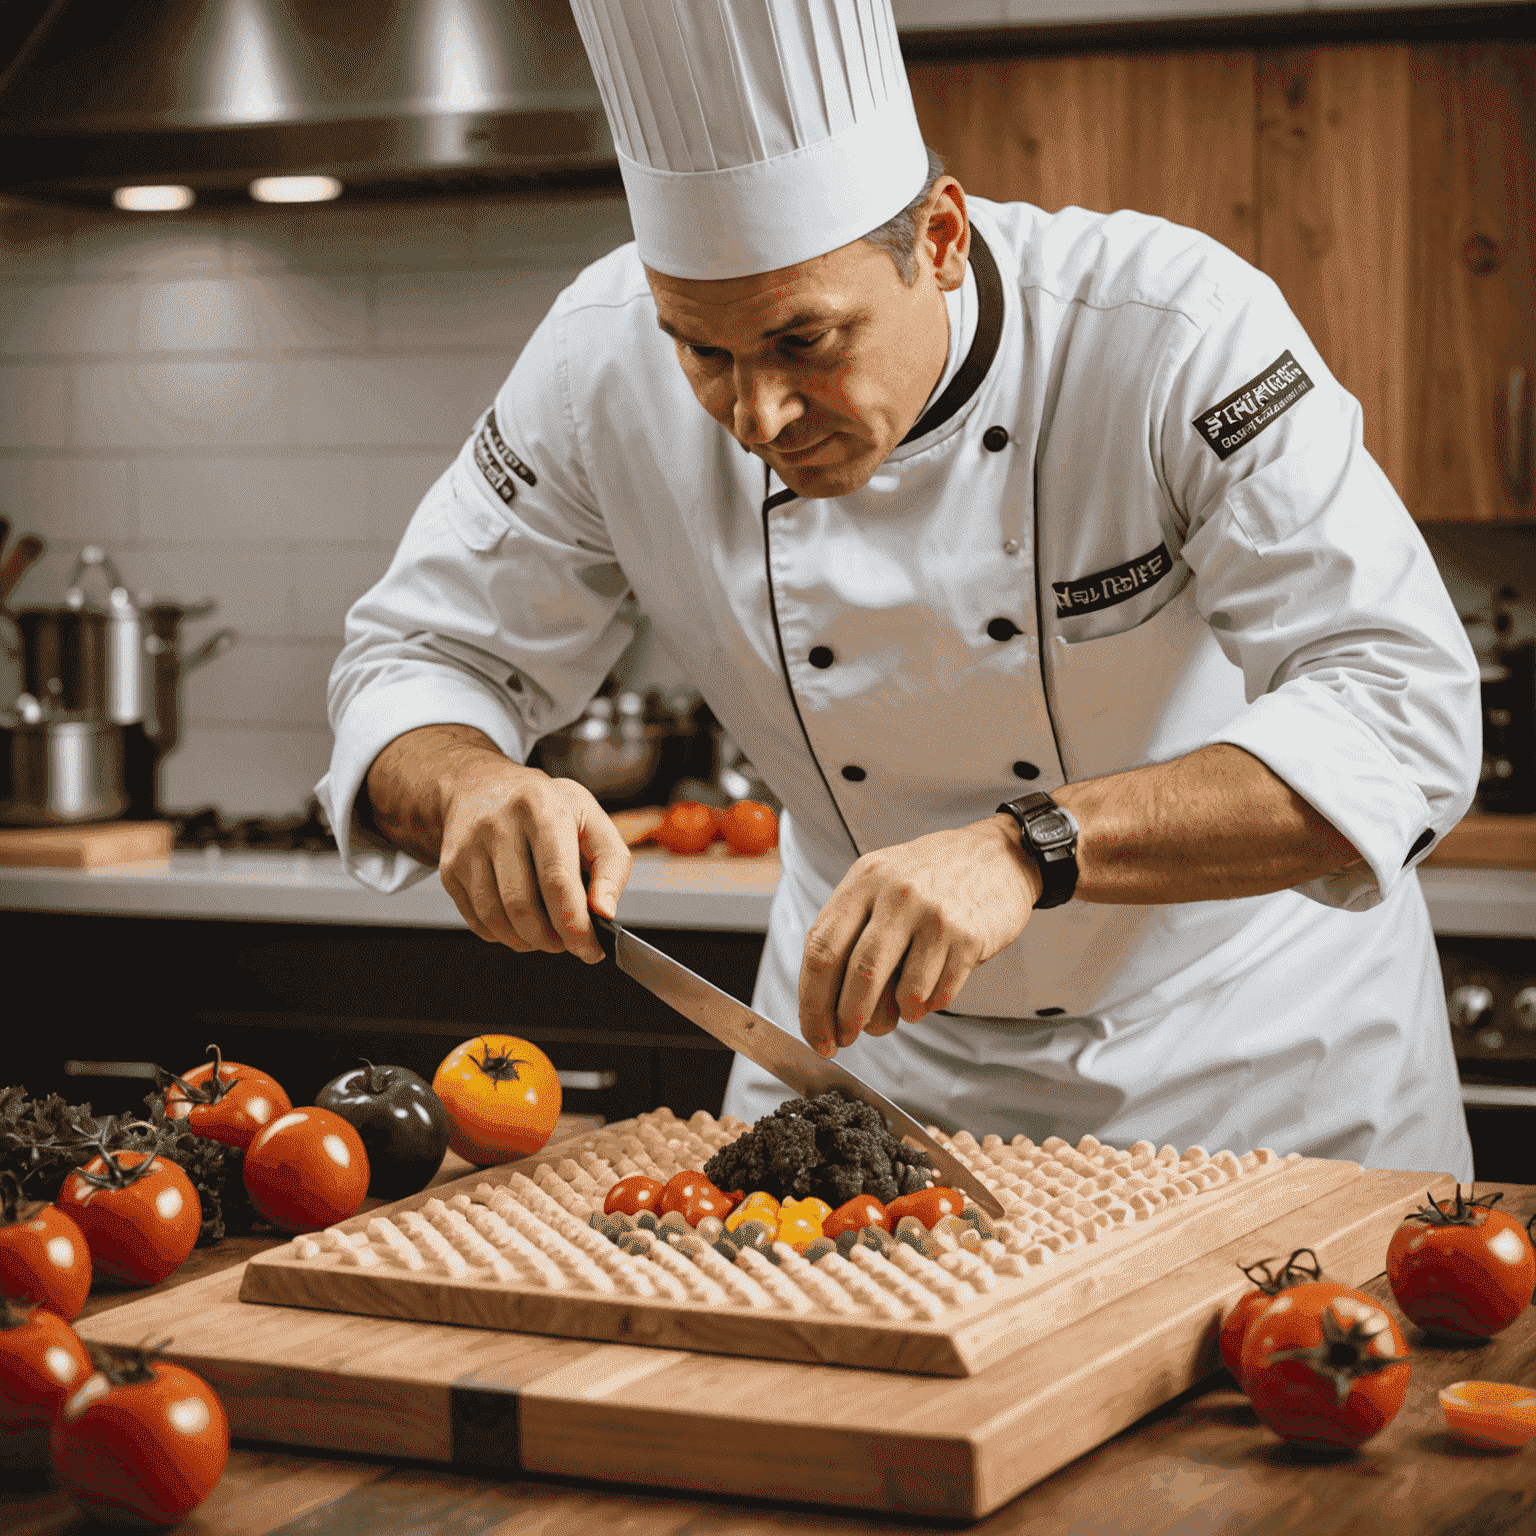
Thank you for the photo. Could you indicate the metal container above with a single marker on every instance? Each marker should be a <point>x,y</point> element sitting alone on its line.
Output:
<point>60,770</point>
<point>64,657</point>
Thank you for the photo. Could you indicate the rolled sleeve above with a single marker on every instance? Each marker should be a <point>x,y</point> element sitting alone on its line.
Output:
<point>1362,687</point>
<point>502,609</point>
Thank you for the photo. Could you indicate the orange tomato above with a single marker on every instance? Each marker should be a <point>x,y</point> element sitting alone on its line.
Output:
<point>688,827</point>
<point>706,1202</point>
<point>750,827</point>
<point>681,1188</point>
<point>800,1223</point>
<point>856,1214</point>
<point>633,1195</point>
<point>502,1096</point>
<point>928,1205</point>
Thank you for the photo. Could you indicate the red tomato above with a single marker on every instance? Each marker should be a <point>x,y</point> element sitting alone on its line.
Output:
<point>1268,1285</point>
<point>1469,1271</point>
<point>45,1261</point>
<point>1325,1366</point>
<point>688,827</point>
<point>707,1202</point>
<point>41,1362</point>
<point>681,1188</point>
<point>225,1101</point>
<point>633,1195</point>
<point>856,1214</point>
<point>502,1095</point>
<point>930,1206</point>
<point>139,1214</point>
<point>307,1170</point>
<point>750,827</point>
<point>140,1442</point>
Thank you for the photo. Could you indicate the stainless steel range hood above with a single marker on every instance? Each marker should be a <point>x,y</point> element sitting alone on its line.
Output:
<point>211,94</point>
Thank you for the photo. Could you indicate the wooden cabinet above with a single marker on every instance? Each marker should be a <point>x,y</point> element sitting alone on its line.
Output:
<point>1387,187</point>
<point>1472,331</point>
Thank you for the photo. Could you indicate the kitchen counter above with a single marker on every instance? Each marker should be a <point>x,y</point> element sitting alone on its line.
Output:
<point>712,891</point>
<point>1202,1462</point>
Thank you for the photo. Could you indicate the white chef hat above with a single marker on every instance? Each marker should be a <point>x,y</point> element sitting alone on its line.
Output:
<point>753,134</point>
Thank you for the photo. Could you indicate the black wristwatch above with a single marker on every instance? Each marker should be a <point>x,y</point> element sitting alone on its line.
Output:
<point>1049,832</point>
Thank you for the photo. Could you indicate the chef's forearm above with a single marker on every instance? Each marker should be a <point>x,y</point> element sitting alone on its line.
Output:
<point>1211,826</point>
<point>405,797</point>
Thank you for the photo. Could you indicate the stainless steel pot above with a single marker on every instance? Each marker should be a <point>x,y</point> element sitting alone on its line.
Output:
<point>57,770</point>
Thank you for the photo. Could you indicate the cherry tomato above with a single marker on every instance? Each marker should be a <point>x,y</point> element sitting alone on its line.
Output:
<point>688,827</point>
<point>758,1206</point>
<point>138,1212</point>
<point>706,1202</point>
<point>928,1205</point>
<point>750,827</point>
<point>856,1214</point>
<point>633,1195</point>
<point>224,1100</point>
<point>502,1096</point>
<point>681,1188</point>
<point>41,1362</point>
<point>1469,1270</point>
<point>307,1170</point>
<point>141,1441</point>
<point>1267,1285</point>
<point>1491,1415</point>
<point>1325,1366</point>
<point>44,1260</point>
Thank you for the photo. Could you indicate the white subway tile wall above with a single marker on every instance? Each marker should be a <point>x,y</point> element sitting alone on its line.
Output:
<point>248,406</point>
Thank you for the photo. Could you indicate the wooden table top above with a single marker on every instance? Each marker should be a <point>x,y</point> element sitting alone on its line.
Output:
<point>1202,1462</point>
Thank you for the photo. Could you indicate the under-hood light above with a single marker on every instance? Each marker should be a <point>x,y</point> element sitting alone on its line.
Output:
<point>152,199</point>
<point>295,189</point>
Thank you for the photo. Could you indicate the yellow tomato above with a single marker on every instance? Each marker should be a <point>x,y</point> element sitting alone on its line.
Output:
<point>502,1096</point>
<point>800,1221</point>
<point>758,1206</point>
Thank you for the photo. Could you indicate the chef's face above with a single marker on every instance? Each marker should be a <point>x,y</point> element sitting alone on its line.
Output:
<point>822,368</point>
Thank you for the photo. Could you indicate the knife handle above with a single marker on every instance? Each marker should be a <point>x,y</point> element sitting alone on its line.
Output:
<point>603,930</point>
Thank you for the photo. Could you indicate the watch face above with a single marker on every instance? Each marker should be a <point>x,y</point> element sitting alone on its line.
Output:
<point>1050,829</point>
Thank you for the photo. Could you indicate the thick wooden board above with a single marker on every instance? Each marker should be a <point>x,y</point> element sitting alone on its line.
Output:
<point>961,1343</point>
<point>772,1429</point>
<point>90,847</point>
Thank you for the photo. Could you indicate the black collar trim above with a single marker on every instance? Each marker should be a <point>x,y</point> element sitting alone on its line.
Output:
<point>989,332</point>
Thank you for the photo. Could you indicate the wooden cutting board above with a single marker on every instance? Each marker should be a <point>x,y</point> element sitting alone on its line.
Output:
<point>105,842</point>
<point>681,1418</point>
<point>961,1343</point>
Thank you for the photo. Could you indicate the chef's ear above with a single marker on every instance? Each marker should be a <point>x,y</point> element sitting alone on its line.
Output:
<point>947,232</point>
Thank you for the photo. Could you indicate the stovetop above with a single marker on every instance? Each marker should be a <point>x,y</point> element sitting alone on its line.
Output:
<point>307,832</point>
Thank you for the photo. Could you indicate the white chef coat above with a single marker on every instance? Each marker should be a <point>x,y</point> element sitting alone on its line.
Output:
<point>1145,470</point>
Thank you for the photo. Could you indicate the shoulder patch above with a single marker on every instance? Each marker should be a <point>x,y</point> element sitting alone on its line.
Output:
<point>1104,589</point>
<point>497,462</point>
<point>1252,406</point>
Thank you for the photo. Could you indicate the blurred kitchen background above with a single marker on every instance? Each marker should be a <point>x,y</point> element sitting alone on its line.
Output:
<point>243,401</point>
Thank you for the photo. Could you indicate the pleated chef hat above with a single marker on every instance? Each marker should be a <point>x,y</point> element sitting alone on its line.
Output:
<point>753,134</point>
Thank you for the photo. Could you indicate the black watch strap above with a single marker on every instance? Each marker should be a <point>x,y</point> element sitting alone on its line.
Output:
<point>1049,832</point>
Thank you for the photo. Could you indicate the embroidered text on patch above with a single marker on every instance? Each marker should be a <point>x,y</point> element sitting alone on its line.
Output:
<point>1106,588</point>
<point>1247,411</point>
<point>494,459</point>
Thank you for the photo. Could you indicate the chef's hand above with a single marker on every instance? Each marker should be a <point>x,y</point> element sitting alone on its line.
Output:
<point>907,926</point>
<point>509,841</point>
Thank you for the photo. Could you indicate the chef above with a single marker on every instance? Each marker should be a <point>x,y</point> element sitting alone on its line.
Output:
<point>1035,561</point>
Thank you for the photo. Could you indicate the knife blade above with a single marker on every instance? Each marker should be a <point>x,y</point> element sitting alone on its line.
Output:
<point>775,1050</point>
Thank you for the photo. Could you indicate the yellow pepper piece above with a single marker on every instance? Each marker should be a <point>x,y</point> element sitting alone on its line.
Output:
<point>800,1223</point>
<point>758,1206</point>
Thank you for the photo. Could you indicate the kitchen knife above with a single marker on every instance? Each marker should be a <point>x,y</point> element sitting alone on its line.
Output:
<point>775,1050</point>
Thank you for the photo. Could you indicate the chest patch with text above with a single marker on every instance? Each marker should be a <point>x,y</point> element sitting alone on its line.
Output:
<point>1249,409</point>
<point>496,461</point>
<point>1104,589</point>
